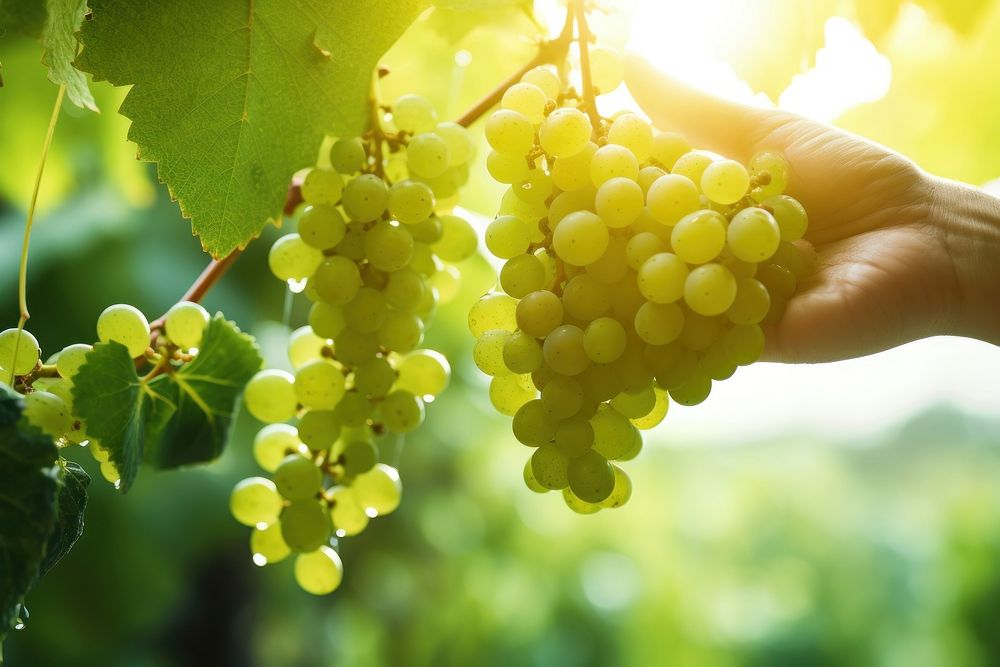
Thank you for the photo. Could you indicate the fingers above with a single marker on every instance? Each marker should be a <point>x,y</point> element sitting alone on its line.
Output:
<point>729,128</point>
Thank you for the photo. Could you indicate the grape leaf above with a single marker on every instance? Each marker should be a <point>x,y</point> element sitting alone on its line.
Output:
<point>231,97</point>
<point>203,393</point>
<point>111,400</point>
<point>28,489</point>
<point>72,502</point>
<point>24,16</point>
<point>59,40</point>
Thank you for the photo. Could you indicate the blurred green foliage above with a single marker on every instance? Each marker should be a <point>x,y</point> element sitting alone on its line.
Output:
<point>793,551</point>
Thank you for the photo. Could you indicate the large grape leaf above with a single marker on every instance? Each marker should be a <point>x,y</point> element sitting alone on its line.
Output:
<point>29,485</point>
<point>203,394</point>
<point>231,97</point>
<point>111,399</point>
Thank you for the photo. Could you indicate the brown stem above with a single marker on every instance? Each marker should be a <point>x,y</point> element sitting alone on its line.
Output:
<point>549,52</point>
<point>590,99</point>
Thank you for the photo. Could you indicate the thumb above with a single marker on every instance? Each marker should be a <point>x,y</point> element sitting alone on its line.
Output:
<point>729,128</point>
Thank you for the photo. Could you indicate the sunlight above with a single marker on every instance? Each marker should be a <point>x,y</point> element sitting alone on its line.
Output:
<point>689,41</point>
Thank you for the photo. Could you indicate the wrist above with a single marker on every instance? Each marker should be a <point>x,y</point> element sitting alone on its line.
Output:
<point>968,220</point>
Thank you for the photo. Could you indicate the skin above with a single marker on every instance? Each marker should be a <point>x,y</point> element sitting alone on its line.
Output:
<point>898,254</point>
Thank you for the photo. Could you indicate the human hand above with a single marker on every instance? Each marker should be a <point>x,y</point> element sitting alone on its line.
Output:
<point>898,254</point>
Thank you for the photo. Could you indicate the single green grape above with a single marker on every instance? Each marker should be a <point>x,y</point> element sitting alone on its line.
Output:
<point>495,311</point>
<point>322,186</point>
<point>487,353</point>
<point>365,198</point>
<point>126,325</point>
<point>510,133</point>
<point>507,236</point>
<point>725,181</point>
<point>661,278</point>
<point>590,477</point>
<point>354,410</point>
<point>710,289</point>
<point>71,359</point>
<point>753,235</point>
<point>347,514</point>
<point>604,340</point>
<point>337,280</point>
<point>410,201</point>
<point>699,237</point>
<point>613,432</point>
<point>401,331</point>
<point>586,298</point>
<point>667,148</point>
<point>292,260</point>
<point>255,502</point>
<point>267,545</point>
<point>413,113</point>
<point>659,323</point>
<point>537,314</point>
<point>185,324</point>
<point>607,67</point>
<point>319,384</point>
<point>49,413</point>
<point>388,246</point>
<point>564,132</point>
<point>564,350</point>
<point>550,467</point>
<point>358,457</point>
<point>348,155</point>
<point>671,197</point>
<point>521,353</point>
<point>297,477</point>
<point>378,490</point>
<point>401,411</point>
<point>522,274</point>
<point>581,238</point>
<point>306,525</point>
<point>622,490</point>
<point>547,80</point>
<point>304,346</point>
<point>427,155</point>
<point>319,429</point>
<point>273,443</point>
<point>527,99</point>
<point>573,172</point>
<point>509,392</point>
<point>619,202</point>
<point>374,378</point>
<point>270,396</point>
<point>321,227</point>
<point>461,149</point>
<point>634,133</point>
<point>613,161</point>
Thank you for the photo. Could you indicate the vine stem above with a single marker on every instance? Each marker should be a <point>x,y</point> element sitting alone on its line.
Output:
<point>22,276</point>
<point>589,98</point>
<point>549,52</point>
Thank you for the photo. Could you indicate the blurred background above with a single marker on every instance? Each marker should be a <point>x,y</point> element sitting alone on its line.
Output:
<point>838,514</point>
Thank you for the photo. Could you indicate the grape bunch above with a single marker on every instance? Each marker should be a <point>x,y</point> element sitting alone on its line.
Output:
<point>48,388</point>
<point>636,270</point>
<point>373,252</point>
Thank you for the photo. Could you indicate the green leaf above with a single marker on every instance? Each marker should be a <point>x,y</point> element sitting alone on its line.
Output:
<point>28,489</point>
<point>72,502</point>
<point>109,397</point>
<point>24,16</point>
<point>59,40</point>
<point>231,97</point>
<point>203,394</point>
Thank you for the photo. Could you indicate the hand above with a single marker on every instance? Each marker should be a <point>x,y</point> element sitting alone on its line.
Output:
<point>887,236</point>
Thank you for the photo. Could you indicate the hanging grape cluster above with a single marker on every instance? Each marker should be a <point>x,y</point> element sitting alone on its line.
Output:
<point>48,388</point>
<point>635,270</point>
<point>372,252</point>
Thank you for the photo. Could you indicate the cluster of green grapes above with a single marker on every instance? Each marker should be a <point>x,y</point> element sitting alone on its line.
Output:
<point>48,387</point>
<point>636,269</point>
<point>372,253</point>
